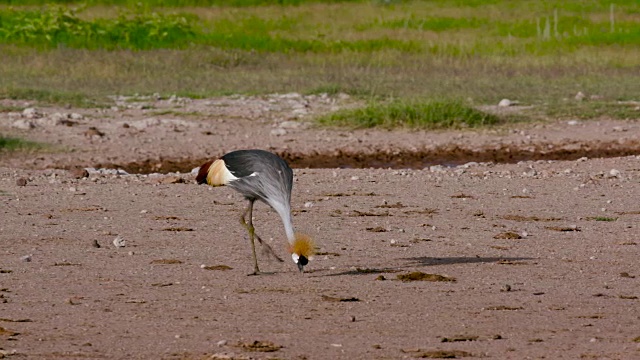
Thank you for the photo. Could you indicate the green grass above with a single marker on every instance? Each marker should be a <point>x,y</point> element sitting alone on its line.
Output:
<point>406,27</point>
<point>141,29</point>
<point>593,109</point>
<point>47,96</point>
<point>177,3</point>
<point>538,53</point>
<point>603,218</point>
<point>417,114</point>
<point>10,144</point>
<point>61,26</point>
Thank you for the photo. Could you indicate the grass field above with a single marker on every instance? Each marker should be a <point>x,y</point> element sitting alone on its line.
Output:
<point>8,144</point>
<point>477,52</point>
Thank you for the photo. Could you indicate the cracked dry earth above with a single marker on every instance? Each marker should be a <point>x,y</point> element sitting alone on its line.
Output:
<point>502,254</point>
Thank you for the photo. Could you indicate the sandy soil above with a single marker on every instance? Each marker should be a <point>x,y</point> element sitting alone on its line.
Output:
<point>528,259</point>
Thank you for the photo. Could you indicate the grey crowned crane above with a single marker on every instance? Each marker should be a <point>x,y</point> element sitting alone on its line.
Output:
<point>260,175</point>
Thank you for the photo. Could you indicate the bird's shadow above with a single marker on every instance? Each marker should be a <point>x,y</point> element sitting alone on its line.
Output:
<point>413,262</point>
<point>431,261</point>
<point>263,273</point>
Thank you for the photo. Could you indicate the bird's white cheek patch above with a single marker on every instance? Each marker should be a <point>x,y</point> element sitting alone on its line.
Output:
<point>295,258</point>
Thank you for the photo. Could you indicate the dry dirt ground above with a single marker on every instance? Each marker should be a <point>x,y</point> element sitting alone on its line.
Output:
<point>525,259</point>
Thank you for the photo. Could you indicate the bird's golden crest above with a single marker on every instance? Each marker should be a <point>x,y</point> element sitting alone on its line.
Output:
<point>303,245</point>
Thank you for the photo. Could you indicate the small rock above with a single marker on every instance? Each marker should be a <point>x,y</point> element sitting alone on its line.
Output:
<point>355,178</point>
<point>221,343</point>
<point>505,103</point>
<point>79,173</point>
<point>26,258</point>
<point>96,244</point>
<point>7,353</point>
<point>299,112</point>
<point>573,122</point>
<point>119,242</point>
<point>31,113</point>
<point>21,181</point>
<point>93,132</point>
<point>468,165</point>
<point>290,125</point>
<point>23,124</point>
<point>58,118</point>
<point>580,96</point>
<point>171,180</point>
<point>278,132</point>
<point>308,204</point>
<point>292,95</point>
<point>614,173</point>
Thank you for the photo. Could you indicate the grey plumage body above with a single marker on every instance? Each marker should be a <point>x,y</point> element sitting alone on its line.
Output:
<point>263,176</point>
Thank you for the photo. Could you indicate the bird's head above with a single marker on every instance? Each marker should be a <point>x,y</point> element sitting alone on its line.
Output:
<point>302,250</point>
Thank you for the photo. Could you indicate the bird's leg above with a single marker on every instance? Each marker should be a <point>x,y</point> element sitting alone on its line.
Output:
<point>266,248</point>
<point>252,233</point>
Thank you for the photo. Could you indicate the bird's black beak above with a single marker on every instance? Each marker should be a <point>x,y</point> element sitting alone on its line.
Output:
<point>302,261</point>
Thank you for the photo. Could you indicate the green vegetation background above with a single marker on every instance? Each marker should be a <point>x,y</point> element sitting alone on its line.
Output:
<point>415,57</point>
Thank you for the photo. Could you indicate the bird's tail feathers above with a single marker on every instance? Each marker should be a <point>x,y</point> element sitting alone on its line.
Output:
<point>303,245</point>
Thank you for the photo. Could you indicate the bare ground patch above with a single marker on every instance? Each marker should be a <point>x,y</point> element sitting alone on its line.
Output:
<point>541,267</point>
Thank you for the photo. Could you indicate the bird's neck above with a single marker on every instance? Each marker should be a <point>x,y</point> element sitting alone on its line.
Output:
<point>285,214</point>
